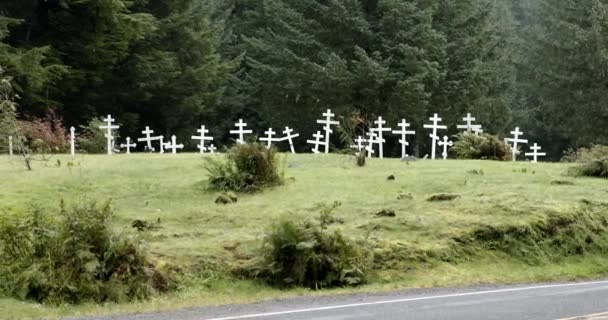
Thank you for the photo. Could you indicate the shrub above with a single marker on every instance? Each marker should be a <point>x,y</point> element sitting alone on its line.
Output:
<point>306,254</point>
<point>595,168</point>
<point>74,258</point>
<point>45,135</point>
<point>92,139</point>
<point>586,154</point>
<point>482,147</point>
<point>248,167</point>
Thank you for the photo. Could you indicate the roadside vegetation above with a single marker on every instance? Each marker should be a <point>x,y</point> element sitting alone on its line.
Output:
<point>350,228</point>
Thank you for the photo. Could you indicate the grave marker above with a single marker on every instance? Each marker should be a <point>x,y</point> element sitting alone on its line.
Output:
<point>404,133</point>
<point>148,139</point>
<point>516,141</point>
<point>445,143</point>
<point>269,138</point>
<point>241,131</point>
<point>72,141</point>
<point>435,126</point>
<point>202,138</point>
<point>289,137</point>
<point>328,122</point>
<point>380,131</point>
<point>535,153</point>
<point>469,126</point>
<point>317,142</point>
<point>359,146</point>
<point>10,146</point>
<point>371,140</point>
<point>211,148</point>
<point>128,145</point>
<point>173,146</point>
<point>161,139</point>
<point>109,127</point>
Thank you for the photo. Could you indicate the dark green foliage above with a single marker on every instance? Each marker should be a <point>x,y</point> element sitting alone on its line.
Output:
<point>247,167</point>
<point>595,168</point>
<point>305,253</point>
<point>586,154</point>
<point>74,258</point>
<point>484,146</point>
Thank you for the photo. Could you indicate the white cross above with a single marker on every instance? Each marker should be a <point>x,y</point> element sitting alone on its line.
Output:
<point>240,131</point>
<point>269,138</point>
<point>10,146</point>
<point>108,134</point>
<point>380,131</point>
<point>202,138</point>
<point>469,126</point>
<point>317,142</point>
<point>404,133</point>
<point>173,146</point>
<point>535,153</point>
<point>515,141</point>
<point>72,141</point>
<point>148,139</point>
<point>477,129</point>
<point>289,136</point>
<point>371,140</point>
<point>359,146</point>
<point>328,122</point>
<point>128,145</point>
<point>161,139</point>
<point>434,136</point>
<point>445,143</point>
<point>211,148</point>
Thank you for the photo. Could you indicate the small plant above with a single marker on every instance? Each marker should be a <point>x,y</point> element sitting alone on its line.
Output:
<point>304,253</point>
<point>481,147</point>
<point>74,258</point>
<point>45,135</point>
<point>248,167</point>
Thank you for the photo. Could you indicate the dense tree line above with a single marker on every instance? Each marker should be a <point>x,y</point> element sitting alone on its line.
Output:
<point>175,64</point>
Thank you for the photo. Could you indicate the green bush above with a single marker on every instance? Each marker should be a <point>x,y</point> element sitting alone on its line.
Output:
<point>481,147</point>
<point>594,168</point>
<point>247,167</point>
<point>306,254</point>
<point>74,258</point>
<point>586,154</point>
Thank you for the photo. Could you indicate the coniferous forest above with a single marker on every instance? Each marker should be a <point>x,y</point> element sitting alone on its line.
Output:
<point>173,65</point>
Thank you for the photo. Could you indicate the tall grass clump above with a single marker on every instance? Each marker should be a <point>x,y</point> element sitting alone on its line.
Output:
<point>74,257</point>
<point>247,167</point>
<point>481,147</point>
<point>593,168</point>
<point>585,155</point>
<point>307,254</point>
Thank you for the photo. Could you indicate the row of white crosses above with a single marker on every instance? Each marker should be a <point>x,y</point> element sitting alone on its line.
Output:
<point>535,154</point>
<point>269,135</point>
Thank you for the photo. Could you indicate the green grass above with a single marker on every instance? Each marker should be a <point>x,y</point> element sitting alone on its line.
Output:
<point>205,240</point>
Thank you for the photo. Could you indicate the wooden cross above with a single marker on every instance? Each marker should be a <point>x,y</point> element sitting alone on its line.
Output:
<point>148,139</point>
<point>535,153</point>
<point>10,146</point>
<point>269,138</point>
<point>469,123</point>
<point>211,148</point>
<point>72,141</point>
<point>289,137</point>
<point>404,133</point>
<point>109,127</point>
<point>445,143</point>
<point>516,141</point>
<point>371,140</point>
<point>317,142</point>
<point>128,145</point>
<point>360,144</point>
<point>380,131</point>
<point>173,146</point>
<point>202,138</point>
<point>328,122</point>
<point>435,126</point>
<point>240,131</point>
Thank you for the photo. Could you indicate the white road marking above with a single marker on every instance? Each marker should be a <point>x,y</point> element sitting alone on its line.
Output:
<point>598,316</point>
<point>455,295</point>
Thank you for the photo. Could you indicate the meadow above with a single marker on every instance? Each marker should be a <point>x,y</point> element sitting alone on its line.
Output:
<point>424,245</point>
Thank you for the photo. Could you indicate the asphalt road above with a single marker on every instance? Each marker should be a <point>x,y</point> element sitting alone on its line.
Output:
<point>582,300</point>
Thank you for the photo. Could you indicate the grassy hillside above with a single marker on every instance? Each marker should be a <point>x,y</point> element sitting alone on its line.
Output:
<point>501,229</point>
